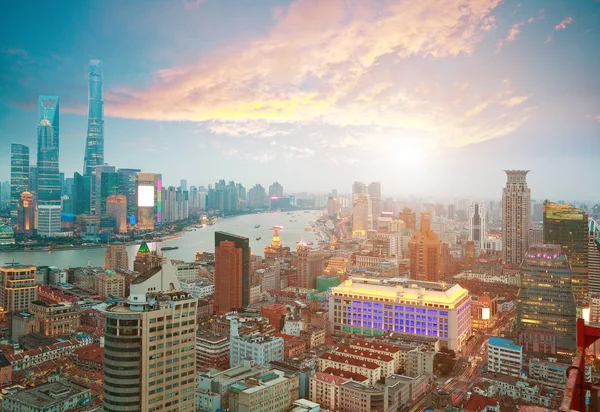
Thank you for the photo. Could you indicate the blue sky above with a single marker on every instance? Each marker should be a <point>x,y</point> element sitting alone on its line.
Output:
<point>430,97</point>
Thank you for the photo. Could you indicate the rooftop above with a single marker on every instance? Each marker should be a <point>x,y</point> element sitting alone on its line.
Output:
<point>345,374</point>
<point>375,346</point>
<point>504,343</point>
<point>478,403</point>
<point>350,361</point>
<point>364,354</point>
<point>47,395</point>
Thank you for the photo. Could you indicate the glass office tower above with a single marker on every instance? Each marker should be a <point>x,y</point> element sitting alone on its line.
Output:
<point>546,311</point>
<point>19,175</point>
<point>48,178</point>
<point>109,185</point>
<point>94,145</point>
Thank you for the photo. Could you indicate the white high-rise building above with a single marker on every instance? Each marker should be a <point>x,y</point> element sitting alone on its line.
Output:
<point>477,223</point>
<point>516,200</point>
<point>49,220</point>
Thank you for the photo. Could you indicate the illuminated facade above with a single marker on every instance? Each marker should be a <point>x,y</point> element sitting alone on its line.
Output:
<point>546,311</point>
<point>19,175</point>
<point>149,200</point>
<point>18,287</point>
<point>484,310</point>
<point>94,144</point>
<point>232,272</point>
<point>516,199</point>
<point>568,226</point>
<point>275,249</point>
<point>127,187</point>
<point>425,252</point>
<point>372,307</point>
<point>26,218</point>
<point>116,207</point>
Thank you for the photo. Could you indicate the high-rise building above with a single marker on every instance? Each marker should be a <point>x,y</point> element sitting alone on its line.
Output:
<point>311,263</point>
<point>18,287</point>
<point>33,179</point>
<point>109,285</point>
<point>409,218</point>
<point>569,227</point>
<point>115,257</point>
<point>546,311</point>
<point>516,197</point>
<point>116,207</point>
<point>374,191</point>
<point>50,110</point>
<point>94,144</point>
<point>358,188</point>
<point>194,201</point>
<point>425,252</point>
<point>594,259</point>
<point>183,185</point>
<point>48,220</point>
<point>149,351</point>
<point>149,200</point>
<point>127,187</point>
<point>276,190</point>
<point>477,223</point>
<point>257,197</point>
<point>26,221</point>
<point>97,186</point>
<point>232,277</point>
<point>82,194</point>
<point>109,186</point>
<point>383,306</point>
<point>48,190</point>
<point>360,215</point>
<point>19,175</point>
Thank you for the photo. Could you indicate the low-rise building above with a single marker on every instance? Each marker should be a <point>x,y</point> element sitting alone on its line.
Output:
<point>198,289</point>
<point>382,348</point>
<point>207,401</point>
<point>5,371</point>
<point>109,284</point>
<point>57,319</point>
<point>386,362</point>
<point>58,395</point>
<point>504,356</point>
<point>30,358</point>
<point>325,387</point>
<point>274,391</point>
<point>212,350</point>
<point>517,389</point>
<point>419,361</point>
<point>548,370</point>
<point>366,368</point>
<point>90,358</point>
<point>262,349</point>
<point>360,398</point>
<point>313,336</point>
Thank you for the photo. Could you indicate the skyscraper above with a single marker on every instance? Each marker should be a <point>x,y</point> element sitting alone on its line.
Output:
<point>374,191</point>
<point>109,185</point>
<point>49,109</point>
<point>19,175</point>
<point>183,184</point>
<point>568,227</point>
<point>477,223</point>
<point>116,207</point>
<point>360,215</point>
<point>94,144</point>
<point>516,197</point>
<point>33,179</point>
<point>149,200</point>
<point>594,259</point>
<point>310,265</point>
<point>409,218</point>
<point>276,190</point>
<point>97,187</point>
<point>257,197</point>
<point>82,194</point>
<point>116,257</point>
<point>232,272</point>
<point>127,187</point>
<point>26,214</point>
<point>149,354</point>
<point>358,188</point>
<point>546,312</point>
<point>48,177</point>
<point>425,252</point>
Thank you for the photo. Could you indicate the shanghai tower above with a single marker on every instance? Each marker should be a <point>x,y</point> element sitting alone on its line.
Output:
<point>94,145</point>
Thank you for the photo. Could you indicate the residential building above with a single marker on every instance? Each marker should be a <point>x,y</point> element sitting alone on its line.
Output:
<point>139,374</point>
<point>384,349</point>
<point>231,274</point>
<point>550,370</point>
<point>274,391</point>
<point>19,175</point>
<point>516,201</point>
<point>55,395</point>
<point>199,289</point>
<point>372,307</point>
<point>55,319</point>
<point>546,311</point>
<point>276,190</point>
<point>425,252</point>
<point>409,218</point>
<point>262,349</point>
<point>212,350</point>
<point>419,361</point>
<point>361,214</point>
<point>310,265</point>
<point>568,227</point>
<point>356,397</point>
<point>337,361</point>
<point>385,362</point>
<point>116,257</point>
<point>89,358</point>
<point>109,285</point>
<point>18,287</point>
<point>505,357</point>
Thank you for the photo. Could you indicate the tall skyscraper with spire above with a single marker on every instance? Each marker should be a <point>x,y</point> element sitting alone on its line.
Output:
<point>48,186</point>
<point>94,145</point>
<point>516,200</point>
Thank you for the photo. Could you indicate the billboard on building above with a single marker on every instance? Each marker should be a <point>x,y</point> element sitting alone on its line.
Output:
<point>146,196</point>
<point>485,313</point>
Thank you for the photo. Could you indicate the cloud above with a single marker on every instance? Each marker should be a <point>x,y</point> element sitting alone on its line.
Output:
<point>192,4</point>
<point>344,66</point>
<point>563,24</point>
<point>514,31</point>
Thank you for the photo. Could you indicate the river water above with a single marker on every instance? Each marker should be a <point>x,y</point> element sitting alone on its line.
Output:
<point>189,242</point>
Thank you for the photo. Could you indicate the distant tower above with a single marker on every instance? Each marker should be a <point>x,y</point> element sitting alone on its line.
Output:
<point>477,223</point>
<point>425,252</point>
<point>26,214</point>
<point>94,145</point>
<point>374,191</point>
<point>311,263</point>
<point>516,197</point>
<point>19,175</point>
<point>409,218</point>
<point>276,190</point>
<point>360,215</point>
<point>116,207</point>
<point>48,186</point>
<point>145,259</point>
<point>116,257</point>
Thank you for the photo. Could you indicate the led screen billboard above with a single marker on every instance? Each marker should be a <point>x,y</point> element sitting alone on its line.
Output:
<point>146,196</point>
<point>485,313</point>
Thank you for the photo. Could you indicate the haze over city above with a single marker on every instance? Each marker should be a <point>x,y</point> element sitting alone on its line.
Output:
<point>428,97</point>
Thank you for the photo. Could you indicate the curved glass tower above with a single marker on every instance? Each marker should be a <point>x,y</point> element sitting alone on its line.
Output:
<point>94,145</point>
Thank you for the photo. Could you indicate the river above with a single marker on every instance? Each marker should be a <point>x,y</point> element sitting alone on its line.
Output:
<point>189,242</point>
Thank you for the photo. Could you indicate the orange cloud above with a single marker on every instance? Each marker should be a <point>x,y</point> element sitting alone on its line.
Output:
<point>563,24</point>
<point>335,63</point>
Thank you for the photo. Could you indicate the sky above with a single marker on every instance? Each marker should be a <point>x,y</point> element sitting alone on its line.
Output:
<point>430,97</point>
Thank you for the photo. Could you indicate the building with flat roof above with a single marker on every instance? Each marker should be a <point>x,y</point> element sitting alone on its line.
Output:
<point>262,349</point>
<point>273,391</point>
<point>59,395</point>
<point>372,307</point>
<point>505,357</point>
<point>362,367</point>
<point>110,285</point>
<point>356,397</point>
<point>386,362</point>
<point>17,287</point>
<point>55,319</point>
<point>232,272</point>
<point>212,350</point>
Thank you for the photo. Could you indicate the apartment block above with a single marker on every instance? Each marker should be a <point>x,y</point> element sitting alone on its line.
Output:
<point>505,357</point>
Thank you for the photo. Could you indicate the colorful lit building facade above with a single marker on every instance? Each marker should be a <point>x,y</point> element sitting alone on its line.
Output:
<point>149,200</point>
<point>372,307</point>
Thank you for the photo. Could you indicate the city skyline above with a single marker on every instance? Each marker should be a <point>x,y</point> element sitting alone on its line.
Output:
<point>458,98</point>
